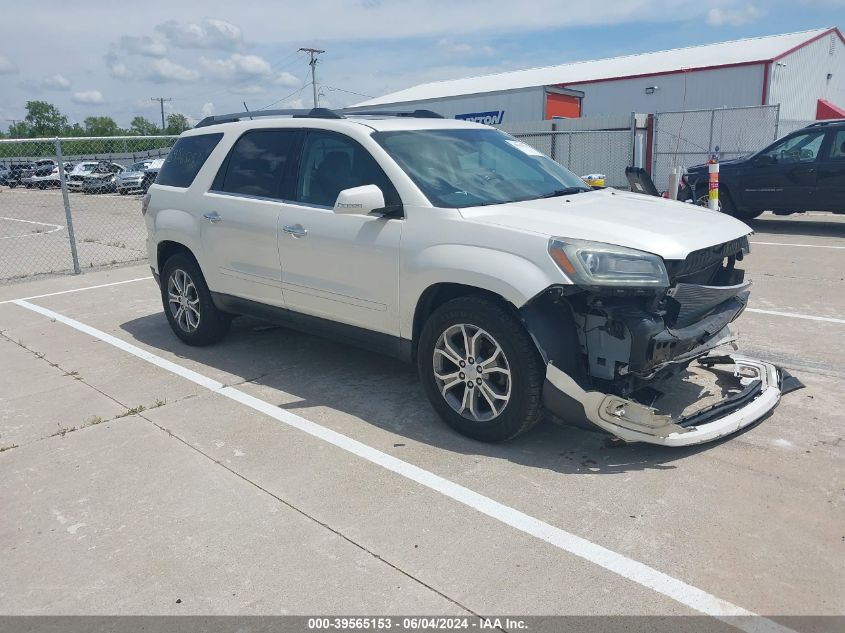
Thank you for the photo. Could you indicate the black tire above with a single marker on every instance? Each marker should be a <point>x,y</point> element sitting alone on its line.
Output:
<point>524,408</point>
<point>728,206</point>
<point>212,324</point>
<point>12,185</point>
<point>123,192</point>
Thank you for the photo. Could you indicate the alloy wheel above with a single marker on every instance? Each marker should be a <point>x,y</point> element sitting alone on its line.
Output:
<point>472,372</point>
<point>183,300</point>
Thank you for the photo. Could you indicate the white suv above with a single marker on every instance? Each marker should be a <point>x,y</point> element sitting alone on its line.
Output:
<point>513,285</point>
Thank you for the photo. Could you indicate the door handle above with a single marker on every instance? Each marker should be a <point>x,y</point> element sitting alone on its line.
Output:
<point>212,217</point>
<point>296,230</point>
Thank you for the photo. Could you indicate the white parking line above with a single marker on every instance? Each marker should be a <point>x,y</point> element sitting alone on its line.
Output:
<point>801,245</point>
<point>692,597</point>
<point>56,227</point>
<point>793,315</point>
<point>64,292</point>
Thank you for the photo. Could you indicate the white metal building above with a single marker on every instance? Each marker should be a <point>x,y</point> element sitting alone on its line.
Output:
<point>803,72</point>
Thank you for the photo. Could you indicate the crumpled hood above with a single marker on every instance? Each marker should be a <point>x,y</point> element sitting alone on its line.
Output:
<point>647,223</point>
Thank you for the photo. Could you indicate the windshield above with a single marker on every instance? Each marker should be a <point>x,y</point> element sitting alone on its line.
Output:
<point>476,167</point>
<point>139,166</point>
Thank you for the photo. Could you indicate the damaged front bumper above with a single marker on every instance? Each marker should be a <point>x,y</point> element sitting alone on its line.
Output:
<point>760,387</point>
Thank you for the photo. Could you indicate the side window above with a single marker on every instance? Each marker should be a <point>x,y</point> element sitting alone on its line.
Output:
<point>837,148</point>
<point>185,160</point>
<point>803,148</point>
<point>257,163</point>
<point>331,163</point>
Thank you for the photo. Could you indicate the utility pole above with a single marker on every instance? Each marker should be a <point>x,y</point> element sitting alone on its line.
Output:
<point>161,100</point>
<point>313,63</point>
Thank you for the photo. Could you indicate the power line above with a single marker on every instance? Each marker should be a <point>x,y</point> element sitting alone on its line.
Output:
<point>333,88</point>
<point>294,93</point>
<point>161,100</point>
<point>313,52</point>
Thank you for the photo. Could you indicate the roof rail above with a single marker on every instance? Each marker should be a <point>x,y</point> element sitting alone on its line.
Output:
<point>416,114</point>
<point>827,122</point>
<point>313,113</point>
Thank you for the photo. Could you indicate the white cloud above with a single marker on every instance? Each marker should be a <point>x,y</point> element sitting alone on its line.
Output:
<point>146,46</point>
<point>88,97</point>
<point>7,66</point>
<point>207,109</point>
<point>287,80</point>
<point>733,17</point>
<point>212,33</point>
<point>451,47</point>
<point>237,66</point>
<point>166,70</point>
<point>249,89</point>
<point>55,82</point>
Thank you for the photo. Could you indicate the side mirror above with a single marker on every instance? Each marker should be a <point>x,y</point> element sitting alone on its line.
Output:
<point>359,200</point>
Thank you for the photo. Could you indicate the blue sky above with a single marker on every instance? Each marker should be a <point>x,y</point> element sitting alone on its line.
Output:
<point>211,56</point>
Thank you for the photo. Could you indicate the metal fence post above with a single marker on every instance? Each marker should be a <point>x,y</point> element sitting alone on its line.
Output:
<point>633,139</point>
<point>777,121</point>
<point>712,125</point>
<point>68,218</point>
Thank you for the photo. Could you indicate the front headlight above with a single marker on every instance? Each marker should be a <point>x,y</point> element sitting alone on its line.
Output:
<point>598,264</point>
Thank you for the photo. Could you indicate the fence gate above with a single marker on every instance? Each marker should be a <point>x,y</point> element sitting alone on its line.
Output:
<point>50,224</point>
<point>684,139</point>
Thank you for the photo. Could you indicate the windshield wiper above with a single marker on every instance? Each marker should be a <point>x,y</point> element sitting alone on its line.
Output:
<point>564,192</point>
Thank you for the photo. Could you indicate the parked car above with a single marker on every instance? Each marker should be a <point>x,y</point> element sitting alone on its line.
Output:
<point>102,179</point>
<point>44,177</point>
<point>150,175</point>
<point>39,168</point>
<point>13,176</point>
<point>76,175</point>
<point>131,178</point>
<point>513,285</point>
<point>803,171</point>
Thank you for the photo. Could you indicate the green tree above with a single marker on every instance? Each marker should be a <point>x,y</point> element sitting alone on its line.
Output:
<point>44,119</point>
<point>143,126</point>
<point>177,123</point>
<point>101,126</point>
<point>19,130</point>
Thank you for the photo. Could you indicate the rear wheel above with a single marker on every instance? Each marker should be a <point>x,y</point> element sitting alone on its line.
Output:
<point>480,369</point>
<point>187,303</point>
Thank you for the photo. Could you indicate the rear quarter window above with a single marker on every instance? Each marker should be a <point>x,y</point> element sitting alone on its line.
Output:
<point>186,159</point>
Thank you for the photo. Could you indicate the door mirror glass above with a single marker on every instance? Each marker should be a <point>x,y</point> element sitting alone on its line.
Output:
<point>359,200</point>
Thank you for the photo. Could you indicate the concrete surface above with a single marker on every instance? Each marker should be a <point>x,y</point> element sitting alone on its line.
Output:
<point>167,491</point>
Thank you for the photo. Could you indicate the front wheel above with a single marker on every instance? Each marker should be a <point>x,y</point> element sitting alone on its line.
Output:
<point>192,315</point>
<point>480,369</point>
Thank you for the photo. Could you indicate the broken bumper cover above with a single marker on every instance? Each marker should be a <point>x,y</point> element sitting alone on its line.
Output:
<point>761,388</point>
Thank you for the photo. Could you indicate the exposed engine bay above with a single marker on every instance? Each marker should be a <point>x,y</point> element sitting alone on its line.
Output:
<point>634,343</point>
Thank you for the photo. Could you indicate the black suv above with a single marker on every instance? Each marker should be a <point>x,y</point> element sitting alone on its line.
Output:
<point>803,171</point>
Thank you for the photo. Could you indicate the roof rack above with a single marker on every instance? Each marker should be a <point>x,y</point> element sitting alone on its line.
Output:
<point>827,122</point>
<point>313,113</point>
<point>415,114</point>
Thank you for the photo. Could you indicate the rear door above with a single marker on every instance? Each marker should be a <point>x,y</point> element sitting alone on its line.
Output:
<point>240,216</point>
<point>783,177</point>
<point>830,184</point>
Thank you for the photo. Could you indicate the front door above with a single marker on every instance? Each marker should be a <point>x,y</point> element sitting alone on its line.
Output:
<point>341,268</point>
<point>783,177</point>
<point>830,185</point>
<point>240,216</point>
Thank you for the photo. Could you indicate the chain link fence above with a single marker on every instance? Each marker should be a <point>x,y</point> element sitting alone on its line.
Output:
<point>72,204</point>
<point>683,139</point>
<point>606,152</point>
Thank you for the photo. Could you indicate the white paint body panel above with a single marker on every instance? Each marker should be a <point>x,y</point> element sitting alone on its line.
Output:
<point>371,271</point>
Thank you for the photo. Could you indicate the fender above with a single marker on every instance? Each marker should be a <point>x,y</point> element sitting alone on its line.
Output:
<point>508,275</point>
<point>173,225</point>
